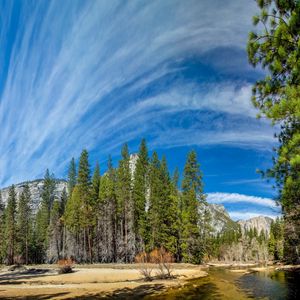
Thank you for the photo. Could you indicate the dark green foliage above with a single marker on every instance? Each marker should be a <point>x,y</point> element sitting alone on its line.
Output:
<point>11,225</point>
<point>110,218</point>
<point>96,183</point>
<point>125,207</point>
<point>276,239</point>
<point>43,215</point>
<point>277,96</point>
<point>24,224</point>
<point>55,230</point>
<point>140,187</point>
<point>72,176</point>
<point>192,195</point>
<point>2,229</point>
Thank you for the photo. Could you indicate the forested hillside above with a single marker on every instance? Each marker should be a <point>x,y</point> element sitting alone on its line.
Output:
<point>132,208</point>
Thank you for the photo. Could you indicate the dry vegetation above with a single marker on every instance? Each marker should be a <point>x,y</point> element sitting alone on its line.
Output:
<point>93,280</point>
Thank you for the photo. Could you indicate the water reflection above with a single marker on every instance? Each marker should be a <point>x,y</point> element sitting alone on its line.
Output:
<point>276,285</point>
<point>223,284</point>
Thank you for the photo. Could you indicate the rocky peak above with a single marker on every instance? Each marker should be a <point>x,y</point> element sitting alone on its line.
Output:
<point>220,219</point>
<point>260,223</point>
<point>36,188</point>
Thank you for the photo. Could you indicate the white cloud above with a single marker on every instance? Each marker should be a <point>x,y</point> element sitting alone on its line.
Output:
<point>222,198</point>
<point>69,62</point>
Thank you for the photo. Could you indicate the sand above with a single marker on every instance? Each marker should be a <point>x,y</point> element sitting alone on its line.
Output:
<point>90,282</point>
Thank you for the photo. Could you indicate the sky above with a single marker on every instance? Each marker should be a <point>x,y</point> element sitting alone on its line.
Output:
<point>90,74</point>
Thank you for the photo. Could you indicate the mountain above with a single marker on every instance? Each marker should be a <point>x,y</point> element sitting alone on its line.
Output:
<point>260,223</point>
<point>220,219</point>
<point>36,188</point>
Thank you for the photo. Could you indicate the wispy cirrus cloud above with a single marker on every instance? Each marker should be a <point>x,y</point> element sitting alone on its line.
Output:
<point>96,74</point>
<point>237,198</point>
<point>241,206</point>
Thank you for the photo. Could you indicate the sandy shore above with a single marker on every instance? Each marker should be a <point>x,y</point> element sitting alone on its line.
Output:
<point>90,282</point>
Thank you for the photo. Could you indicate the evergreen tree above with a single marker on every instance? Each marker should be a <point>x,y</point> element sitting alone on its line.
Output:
<point>169,210</point>
<point>63,201</point>
<point>176,211</point>
<point>276,47</point>
<point>43,215</point>
<point>108,209</point>
<point>87,204</point>
<point>2,229</point>
<point>72,176</point>
<point>192,193</point>
<point>73,212</point>
<point>96,183</point>
<point>72,220</point>
<point>153,234</point>
<point>125,213</point>
<point>24,223</point>
<point>140,189</point>
<point>55,231</point>
<point>10,225</point>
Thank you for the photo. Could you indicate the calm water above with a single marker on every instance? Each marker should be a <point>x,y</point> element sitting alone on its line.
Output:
<point>223,284</point>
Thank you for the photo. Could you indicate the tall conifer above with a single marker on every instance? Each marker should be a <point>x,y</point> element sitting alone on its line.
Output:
<point>192,192</point>
<point>10,225</point>
<point>140,189</point>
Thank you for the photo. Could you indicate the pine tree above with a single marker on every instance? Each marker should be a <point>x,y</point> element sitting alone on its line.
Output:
<point>55,231</point>
<point>24,223</point>
<point>176,211</point>
<point>168,210</point>
<point>43,215</point>
<point>275,46</point>
<point>140,189</point>
<point>192,193</point>
<point>10,225</point>
<point>125,214</point>
<point>152,236</point>
<point>72,177</point>
<point>108,209</point>
<point>63,200</point>
<point>87,204</point>
<point>96,183</point>
<point>2,229</point>
<point>72,220</point>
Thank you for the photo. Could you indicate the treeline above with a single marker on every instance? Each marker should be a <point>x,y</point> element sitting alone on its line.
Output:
<point>235,244</point>
<point>134,207</point>
<point>275,46</point>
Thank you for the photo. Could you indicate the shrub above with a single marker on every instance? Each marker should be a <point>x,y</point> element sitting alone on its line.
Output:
<point>159,258</point>
<point>65,266</point>
<point>145,267</point>
<point>164,260</point>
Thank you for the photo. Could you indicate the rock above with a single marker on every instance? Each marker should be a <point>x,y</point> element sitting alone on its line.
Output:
<point>260,223</point>
<point>220,219</point>
<point>36,188</point>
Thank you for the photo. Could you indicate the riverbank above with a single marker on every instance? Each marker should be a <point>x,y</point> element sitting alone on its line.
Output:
<point>91,281</point>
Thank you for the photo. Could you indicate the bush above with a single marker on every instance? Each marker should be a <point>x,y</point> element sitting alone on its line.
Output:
<point>65,266</point>
<point>159,258</point>
<point>164,260</point>
<point>145,267</point>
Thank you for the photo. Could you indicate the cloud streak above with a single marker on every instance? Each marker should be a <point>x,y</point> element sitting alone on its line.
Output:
<point>96,74</point>
<point>243,207</point>
<point>237,198</point>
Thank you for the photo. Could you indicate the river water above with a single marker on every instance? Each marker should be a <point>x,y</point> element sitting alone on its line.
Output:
<point>224,284</point>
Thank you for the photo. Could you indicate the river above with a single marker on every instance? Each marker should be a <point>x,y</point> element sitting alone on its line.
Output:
<point>224,284</point>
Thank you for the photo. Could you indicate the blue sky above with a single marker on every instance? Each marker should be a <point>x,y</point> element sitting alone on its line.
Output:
<point>96,74</point>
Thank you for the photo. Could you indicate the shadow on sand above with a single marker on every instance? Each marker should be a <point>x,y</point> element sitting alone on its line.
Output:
<point>16,277</point>
<point>37,297</point>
